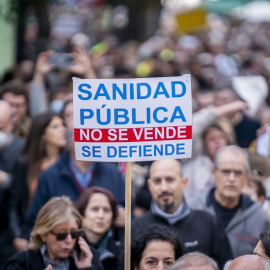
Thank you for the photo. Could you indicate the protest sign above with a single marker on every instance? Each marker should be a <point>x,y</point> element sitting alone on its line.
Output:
<point>132,119</point>
<point>191,21</point>
<point>252,89</point>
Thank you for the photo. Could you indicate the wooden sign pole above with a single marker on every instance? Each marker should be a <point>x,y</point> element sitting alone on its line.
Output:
<point>127,215</point>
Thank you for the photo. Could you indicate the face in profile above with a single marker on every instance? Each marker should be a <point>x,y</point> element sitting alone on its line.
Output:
<point>157,255</point>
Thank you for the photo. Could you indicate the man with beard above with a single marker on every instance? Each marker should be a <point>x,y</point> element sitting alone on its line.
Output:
<point>198,230</point>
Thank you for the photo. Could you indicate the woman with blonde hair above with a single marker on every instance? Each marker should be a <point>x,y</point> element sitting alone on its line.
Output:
<point>58,227</point>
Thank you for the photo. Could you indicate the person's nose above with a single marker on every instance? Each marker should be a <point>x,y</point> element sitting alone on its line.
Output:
<point>68,238</point>
<point>231,176</point>
<point>14,110</point>
<point>100,213</point>
<point>62,128</point>
<point>163,186</point>
<point>161,266</point>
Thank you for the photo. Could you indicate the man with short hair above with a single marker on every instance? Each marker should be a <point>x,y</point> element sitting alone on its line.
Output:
<point>194,261</point>
<point>248,262</point>
<point>198,230</point>
<point>69,177</point>
<point>242,219</point>
<point>15,93</point>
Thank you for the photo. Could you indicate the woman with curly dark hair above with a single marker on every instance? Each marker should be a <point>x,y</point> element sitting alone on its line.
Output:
<point>155,247</point>
<point>262,248</point>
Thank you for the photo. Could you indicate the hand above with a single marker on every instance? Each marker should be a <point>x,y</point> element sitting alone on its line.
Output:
<point>43,66</point>
<point>120,220</point>
<point>231,108</point>
<point>262,130</point>
<point>82,65</point>
<point>3,178</point>
<point>20,244</point>
<point>49,267</point>
<point>87,256</point>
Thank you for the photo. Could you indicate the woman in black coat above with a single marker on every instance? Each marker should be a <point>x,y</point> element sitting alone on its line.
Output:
<point>98,207</point>
<point>57,229</point>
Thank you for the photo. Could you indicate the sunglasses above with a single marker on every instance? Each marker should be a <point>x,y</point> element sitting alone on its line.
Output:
<point>62,236</point>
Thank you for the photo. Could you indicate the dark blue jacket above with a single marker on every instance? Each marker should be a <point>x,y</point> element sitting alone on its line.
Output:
<point>58,180</point>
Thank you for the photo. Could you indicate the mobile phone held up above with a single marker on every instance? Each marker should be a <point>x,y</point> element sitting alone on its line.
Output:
<point>78,250</point>
<point>61,60</point>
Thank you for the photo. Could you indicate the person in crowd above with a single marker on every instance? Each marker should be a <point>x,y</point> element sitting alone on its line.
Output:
<point>46,141</point>
<point>57,229</point>
<point>194,261</point>
<point>10,146</point>
<point>69,176</point>
<point>254,187</point>
<point>16,94</point>
<point>39,95</point>
<point>155,247</point>
<point>248,262</point>
<point>242,219</point>
<point>142,203</point>
<point>67,113</point>
<point>262,248</point>
<point>245,127</point>
<point>202,123</point>
<point>98,207</point>
<point>199,170</point>
<point>209,115</point>
<point>166,185</point>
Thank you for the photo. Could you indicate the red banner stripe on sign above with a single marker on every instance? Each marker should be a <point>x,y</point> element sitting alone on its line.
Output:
<point>143,134</point>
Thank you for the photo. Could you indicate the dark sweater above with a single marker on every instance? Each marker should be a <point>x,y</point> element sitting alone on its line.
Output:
<point>29,260</point>
<point>199,231</point>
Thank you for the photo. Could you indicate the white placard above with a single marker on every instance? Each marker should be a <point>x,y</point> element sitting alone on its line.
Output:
<point>252,89</point>
<point>132,119</point>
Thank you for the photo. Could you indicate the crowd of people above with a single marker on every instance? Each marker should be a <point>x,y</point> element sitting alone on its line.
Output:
<point>208,212</point>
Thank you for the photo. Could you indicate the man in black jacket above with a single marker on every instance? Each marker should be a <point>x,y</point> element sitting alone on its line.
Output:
<point>198,230</point>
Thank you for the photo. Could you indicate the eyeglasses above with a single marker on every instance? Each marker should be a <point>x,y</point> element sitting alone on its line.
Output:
<point>227,172</point>
<point>62,236</point>
<point>17,106</point>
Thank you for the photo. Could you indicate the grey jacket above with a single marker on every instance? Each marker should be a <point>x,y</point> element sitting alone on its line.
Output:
<point>244,228</point>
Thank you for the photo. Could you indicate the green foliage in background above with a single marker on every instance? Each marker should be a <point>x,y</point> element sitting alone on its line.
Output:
<point>9,9</point>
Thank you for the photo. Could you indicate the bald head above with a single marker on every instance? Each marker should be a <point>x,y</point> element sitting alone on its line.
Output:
<point>194,261</point>
<point>166,184</point>
<point>5,116</point>
<point>167,163</point>
<point>249,262</point>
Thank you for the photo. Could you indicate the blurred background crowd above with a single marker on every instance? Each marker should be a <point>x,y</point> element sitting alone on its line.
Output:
<point>224,45</point>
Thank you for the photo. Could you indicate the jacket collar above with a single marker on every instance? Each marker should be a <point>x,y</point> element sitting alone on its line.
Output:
<point>244,202</point>
<point>182,211</point>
